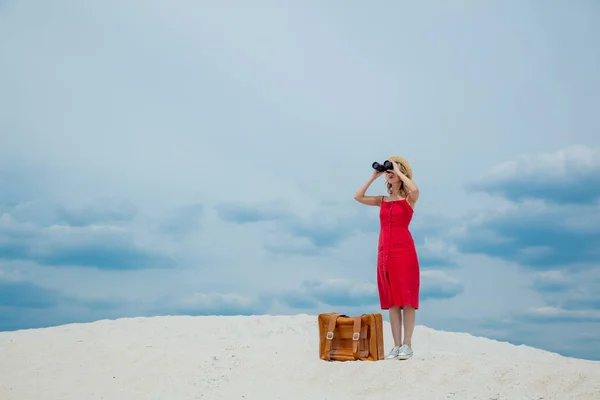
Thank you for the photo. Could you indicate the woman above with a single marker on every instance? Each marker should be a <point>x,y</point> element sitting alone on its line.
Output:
<point>398,274</point>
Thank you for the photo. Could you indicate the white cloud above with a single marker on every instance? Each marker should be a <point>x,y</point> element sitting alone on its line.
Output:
<point>556,280</point>
<point>557,314</point>
<point>562,164</point>
<point>569,175</point>
<point>216,303</point>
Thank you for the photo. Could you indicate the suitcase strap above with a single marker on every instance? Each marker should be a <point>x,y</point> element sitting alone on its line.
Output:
<point>329,335</point>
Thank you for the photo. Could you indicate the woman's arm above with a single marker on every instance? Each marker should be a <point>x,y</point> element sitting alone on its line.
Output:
<point>413,191</point>
<point>360,193</point>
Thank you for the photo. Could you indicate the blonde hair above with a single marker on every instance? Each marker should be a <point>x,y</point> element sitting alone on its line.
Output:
<point>406,169</point>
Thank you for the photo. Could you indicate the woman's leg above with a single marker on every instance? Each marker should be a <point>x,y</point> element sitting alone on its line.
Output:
<point>396,323</point>
<point>409,324</point>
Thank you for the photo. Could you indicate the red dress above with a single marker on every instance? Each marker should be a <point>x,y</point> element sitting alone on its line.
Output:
<point>398,274</point>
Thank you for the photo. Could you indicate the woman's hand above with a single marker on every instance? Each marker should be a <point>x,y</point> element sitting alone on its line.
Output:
<point>397,170</point>
<point>376,174</point>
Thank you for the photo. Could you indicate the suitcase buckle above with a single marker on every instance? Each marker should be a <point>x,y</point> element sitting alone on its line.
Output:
<point>356,336</point>
<point>329,336</point>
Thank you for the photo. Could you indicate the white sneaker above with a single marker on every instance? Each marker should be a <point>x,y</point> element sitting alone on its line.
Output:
<point>404,352</point>
<point>393,354</point>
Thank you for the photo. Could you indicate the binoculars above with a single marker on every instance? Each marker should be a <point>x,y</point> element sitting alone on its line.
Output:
<point>387,166</point>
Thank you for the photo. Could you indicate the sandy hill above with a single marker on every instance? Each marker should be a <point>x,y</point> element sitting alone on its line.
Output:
<point>270,357</point>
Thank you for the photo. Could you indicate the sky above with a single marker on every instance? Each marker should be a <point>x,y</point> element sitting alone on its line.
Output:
<point>187,158</point>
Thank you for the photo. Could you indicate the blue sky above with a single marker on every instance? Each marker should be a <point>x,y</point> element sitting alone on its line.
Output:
<point>202,159</point>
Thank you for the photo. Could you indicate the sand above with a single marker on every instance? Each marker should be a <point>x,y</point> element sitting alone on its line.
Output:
<point>270,357</point>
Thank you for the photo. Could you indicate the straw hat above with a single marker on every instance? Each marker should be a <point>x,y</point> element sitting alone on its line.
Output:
<point>403,162</point>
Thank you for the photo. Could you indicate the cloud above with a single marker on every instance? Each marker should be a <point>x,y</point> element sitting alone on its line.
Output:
<point>181,221</point>
<point>435,253</point>
<point>530,326</point>
<point>538,236</point>
<point>28,305</point>
<point>330,224</point>
<point>243,213</point>
<point>551,282</point>
<point>106,212</point>
<point>555,314</point>
<point>343,292</point>
<point>438,285</point>
<point>333,292</point>
<point>24,305</point>
<point>27,295</point>
<point>550,230</point>
<point>212,303</point>
<point>570,175</point>
<point>586,301</point>
<point>32,195</point>
<point>24,298</point>
<point>98,246</point>
<point>324,229</point>
<point>570,291</point>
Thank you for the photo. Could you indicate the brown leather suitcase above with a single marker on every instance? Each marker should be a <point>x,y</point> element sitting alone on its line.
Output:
<point>344,338</point>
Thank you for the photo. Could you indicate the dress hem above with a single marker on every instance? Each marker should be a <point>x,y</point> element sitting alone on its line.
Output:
<point>403,305</point>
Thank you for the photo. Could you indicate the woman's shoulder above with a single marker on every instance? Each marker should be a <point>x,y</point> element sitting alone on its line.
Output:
<point>390,199</point>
